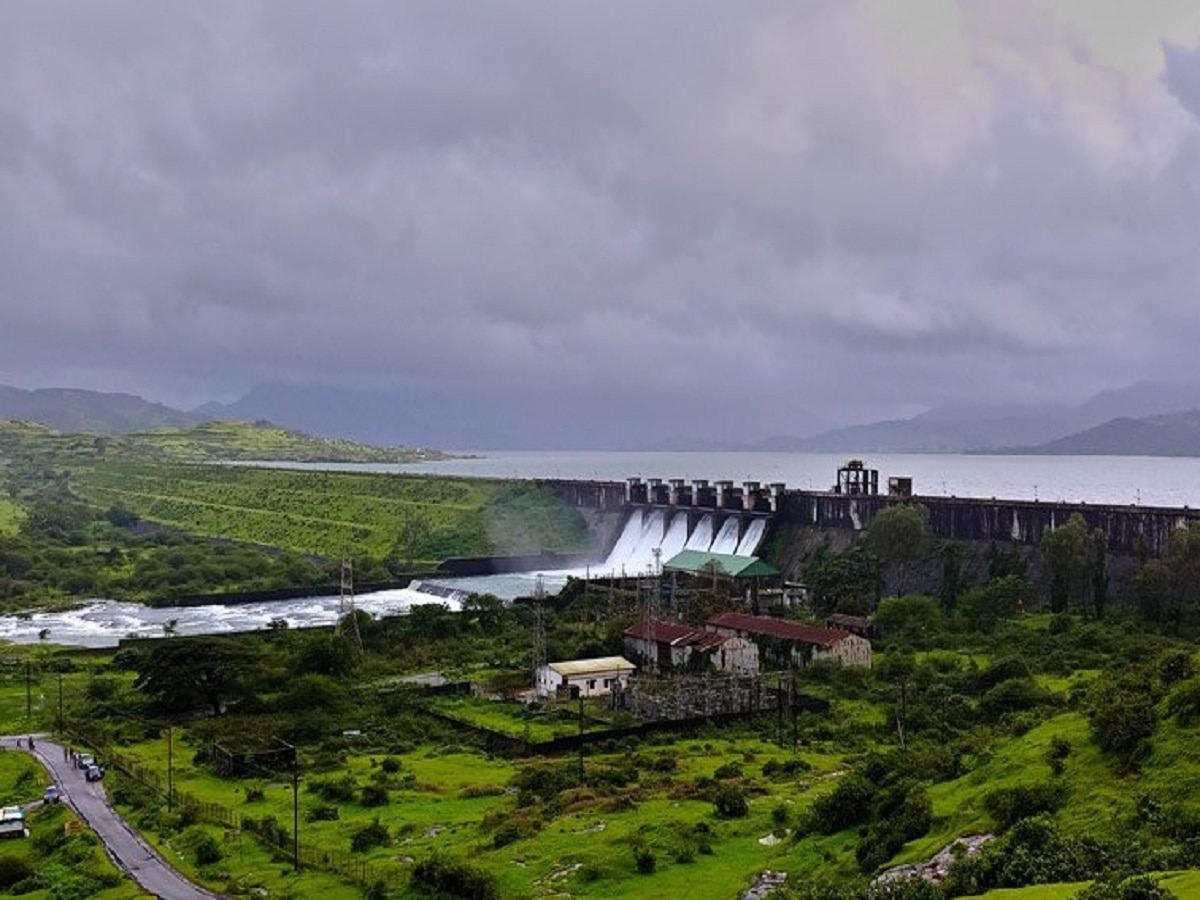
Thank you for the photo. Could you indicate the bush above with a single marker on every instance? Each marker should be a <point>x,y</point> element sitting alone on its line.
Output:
<point>1057,753</point>
<point>14,869</point>
<point>1009,805</point>
<point>450,878</point>
<point>1120,719</point>
<point>729,770</point>
<point>848,804</point>
<point>335,790</point>
<point>374,795</point>
<point>372,835</point>
<point>390,764</point>
<point>321,814</point>
<point>731,803</point>
<point>208,851</point>
<point>787,768</point>
<point>1139,887</point>
<point>644,858</point>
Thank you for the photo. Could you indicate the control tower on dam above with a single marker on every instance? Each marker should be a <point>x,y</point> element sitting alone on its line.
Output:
<point>854,502</point>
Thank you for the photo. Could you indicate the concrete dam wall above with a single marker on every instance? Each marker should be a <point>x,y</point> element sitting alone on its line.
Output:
<point>1130,530</point>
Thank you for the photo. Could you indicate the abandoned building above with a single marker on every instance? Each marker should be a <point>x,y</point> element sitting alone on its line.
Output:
<point>860,625</point>
<point>786,644</point>
<point>661,647</point>
<point>593,677</point>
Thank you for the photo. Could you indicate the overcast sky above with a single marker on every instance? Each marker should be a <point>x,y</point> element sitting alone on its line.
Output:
<point>778,207</point>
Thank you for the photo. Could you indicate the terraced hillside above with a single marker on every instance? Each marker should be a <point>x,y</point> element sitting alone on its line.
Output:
<point>328,513</point>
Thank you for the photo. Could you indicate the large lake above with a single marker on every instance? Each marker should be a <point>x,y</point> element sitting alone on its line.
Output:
<point>1094,479</point>
<point>1142,480</point>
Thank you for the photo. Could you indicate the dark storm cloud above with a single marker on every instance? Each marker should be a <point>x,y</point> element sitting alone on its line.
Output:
<point>744,204</point>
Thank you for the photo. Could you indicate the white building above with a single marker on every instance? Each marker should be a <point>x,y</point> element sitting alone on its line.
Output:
<point>593,677</point>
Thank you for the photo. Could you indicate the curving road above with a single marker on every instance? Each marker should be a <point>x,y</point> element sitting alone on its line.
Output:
<point>128,849</point>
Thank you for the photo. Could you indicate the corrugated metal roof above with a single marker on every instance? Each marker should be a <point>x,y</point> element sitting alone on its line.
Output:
<point>588,666</point>
<point>673,633</point>
<point>698,562</point>
<point>792,631</point>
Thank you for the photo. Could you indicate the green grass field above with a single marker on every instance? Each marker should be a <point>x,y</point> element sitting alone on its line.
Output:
<point>326,513</point>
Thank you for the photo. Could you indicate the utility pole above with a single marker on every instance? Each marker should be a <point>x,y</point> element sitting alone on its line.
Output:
<point>581,738</point>
<point>60,704</point>
<point>539,628</point>
<point>170,769</point>
<point>28,694</point>
<point>295,811</point>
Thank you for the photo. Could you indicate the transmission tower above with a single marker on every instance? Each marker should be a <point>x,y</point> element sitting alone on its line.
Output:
<point>539,627</point>
<point>650,608</point>
<point>346,608</point>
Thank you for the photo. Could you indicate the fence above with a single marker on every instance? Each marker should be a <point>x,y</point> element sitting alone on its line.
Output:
<point>277,838</point>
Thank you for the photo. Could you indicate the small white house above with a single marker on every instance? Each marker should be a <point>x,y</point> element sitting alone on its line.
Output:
<point>593,677</point>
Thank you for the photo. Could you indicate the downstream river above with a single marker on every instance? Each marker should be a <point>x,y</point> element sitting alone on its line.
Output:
<point>1121,480</point>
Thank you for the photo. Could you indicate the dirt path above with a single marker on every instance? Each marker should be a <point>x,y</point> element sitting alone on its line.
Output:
<point>128,848</point>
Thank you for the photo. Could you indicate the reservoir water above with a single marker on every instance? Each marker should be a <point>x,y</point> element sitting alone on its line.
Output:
<point>1144,481</point>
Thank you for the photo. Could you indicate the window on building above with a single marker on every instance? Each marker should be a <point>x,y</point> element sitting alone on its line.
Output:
<point>591,684</point>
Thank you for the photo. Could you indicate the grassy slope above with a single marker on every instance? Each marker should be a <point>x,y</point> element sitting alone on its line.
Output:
<point>328,512</point>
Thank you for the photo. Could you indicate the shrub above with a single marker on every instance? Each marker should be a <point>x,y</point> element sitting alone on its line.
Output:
<point>1057,753</point>
<point>14,869</point>
<point>1139,887</point>
<point>644,858</point>
<point>321,814</point>
<point>207,850</point>
<point>390,764</point>
<point>471,791</point>
<point>731,803</point>
<point>1120,719</point>
<point>729,770</point>
<point>450,878</point>
<point>787,768</point>
<point>1008,805</point>
<point>374,795</point>
<point>848,804</point>
<point>372,835</point>
<point>335,790</point>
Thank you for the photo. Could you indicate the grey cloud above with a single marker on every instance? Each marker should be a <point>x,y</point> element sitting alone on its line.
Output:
<point>592,200</point>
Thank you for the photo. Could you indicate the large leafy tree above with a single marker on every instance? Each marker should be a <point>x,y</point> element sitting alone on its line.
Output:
<point>899,536</point>
<point>1069,555</point>
<point>1168,589</point>
<point>182,675</point>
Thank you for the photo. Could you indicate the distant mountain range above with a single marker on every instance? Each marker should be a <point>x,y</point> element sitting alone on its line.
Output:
<point>72,410</point>
<point>1142,419</point>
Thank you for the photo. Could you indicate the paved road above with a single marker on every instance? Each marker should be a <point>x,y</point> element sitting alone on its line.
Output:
<point>89,800</point>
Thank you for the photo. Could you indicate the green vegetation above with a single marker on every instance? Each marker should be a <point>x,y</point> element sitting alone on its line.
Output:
<point>61,859</point>
<point>86,516</point>
<point>401,517</point>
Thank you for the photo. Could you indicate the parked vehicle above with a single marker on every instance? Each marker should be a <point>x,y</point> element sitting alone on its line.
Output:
<point>83,760</point>
<point>93,773</point>
<point>51,794</point>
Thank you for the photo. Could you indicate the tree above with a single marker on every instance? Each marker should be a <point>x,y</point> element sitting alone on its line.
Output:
<point>184,674</point>
<point>846,582</point>
<point>914,618</point>
<point>1170,587</point>
<point>982,607</point>
<point>898,534</point>
<point>952,553</point>
<point>1069,556</point>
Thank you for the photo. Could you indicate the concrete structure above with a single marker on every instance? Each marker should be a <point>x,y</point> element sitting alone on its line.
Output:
<point>860,625</point>
<point>790,644</point>
<point>667,646</point>
<point>594,677</point>
<point>737,656</point>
